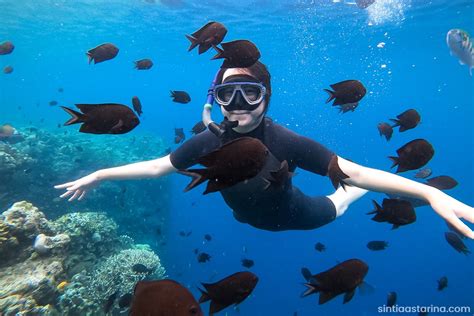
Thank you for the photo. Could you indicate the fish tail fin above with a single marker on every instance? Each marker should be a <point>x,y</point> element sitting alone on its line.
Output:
<point>76,116</point>
<point>198,175</point>
<point>470,71</point>
<point>311,289</point>
<point>378,211</point>
<point>136,64</point>
<point>90,57</point>
<point>204,296</point>
<point>194,42</point>
<point>331,95</point>
<point>220,52</point>
<point>394,160</point>
<point>396,122</point>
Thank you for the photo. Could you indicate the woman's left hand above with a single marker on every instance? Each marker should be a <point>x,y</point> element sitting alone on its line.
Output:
<point>451,210</point>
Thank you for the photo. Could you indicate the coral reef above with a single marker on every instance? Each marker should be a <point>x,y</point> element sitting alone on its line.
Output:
<point>19,226</point>
<point>73,265</point>
<point>44,158</point>
<point>90,290</point>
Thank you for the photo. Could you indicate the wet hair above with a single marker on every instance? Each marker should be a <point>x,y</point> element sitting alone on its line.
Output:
<point>260,72</point>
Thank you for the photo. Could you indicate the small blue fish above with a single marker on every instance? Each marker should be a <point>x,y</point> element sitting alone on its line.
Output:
<point>460,44</point>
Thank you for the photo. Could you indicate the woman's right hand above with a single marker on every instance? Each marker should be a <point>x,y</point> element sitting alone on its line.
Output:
<point>79,188</point>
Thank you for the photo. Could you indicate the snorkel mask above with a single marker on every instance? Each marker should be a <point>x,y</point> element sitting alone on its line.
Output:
<point>238,94</point>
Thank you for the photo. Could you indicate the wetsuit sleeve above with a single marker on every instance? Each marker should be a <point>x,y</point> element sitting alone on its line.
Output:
<point>188,153</point>
<point>311,155</point>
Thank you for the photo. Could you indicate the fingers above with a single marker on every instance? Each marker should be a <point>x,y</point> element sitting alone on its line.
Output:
<point>460,226</point>
<point>75,195</point>
<point>64,185</point>
<point>82,195</point>
<point>67,193</point>
<point>467,213</point>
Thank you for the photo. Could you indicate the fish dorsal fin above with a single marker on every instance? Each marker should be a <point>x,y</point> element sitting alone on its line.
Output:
<point>337,86</point>
<point>326,296</point>
<point>90,107</point>
<point>198,33</point>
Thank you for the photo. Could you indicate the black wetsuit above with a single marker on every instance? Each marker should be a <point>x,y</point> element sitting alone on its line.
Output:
<point>280,208</point>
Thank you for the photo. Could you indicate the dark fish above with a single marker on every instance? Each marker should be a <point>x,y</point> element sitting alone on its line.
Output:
<point>456,242</point>
<point>248,263</point>
<point>319,247</point>
<point>407,120</point>
<point>53,103</point>
<point>143,64</point>
<point>377,245</point>
<point>442,283</point>
<point>184,233</point>
<point>110,302</point>
<point>207,36</point>
<point>103,118</point>
<point>364,4</point>
<point>442,182</point>
<point>163,298</point>
<point>180,97</point>
<point>207,237</point>
<point>394,211</point>
<point>140,268</point>
<point>137,105</point>
<point>60,90</point>
<point>6,48</point>
<point>386,130</point>
<point>279,178</point>
<point>423,173</point>
<point>391,299</point>
<point>199,127</point>
<point>8,70</point>
<point>179,136</point>
<point>342,278</point>
<point>230,290</point>
<point>203,257</point>
<point>102,53</point>
<point>125,300</point>
<point>455,230</point>
<point>79,148</point>
<point>158,230</point>
<point>346,94</point>
<point>196,251</point>
<point>226,165</point>
<point>238,54</point>
<point>413,155</point>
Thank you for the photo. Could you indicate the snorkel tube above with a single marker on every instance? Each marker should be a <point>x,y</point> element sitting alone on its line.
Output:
<point>206,111</point>
<point>225,125</point>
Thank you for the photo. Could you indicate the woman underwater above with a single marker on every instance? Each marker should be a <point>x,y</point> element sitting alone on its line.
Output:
<point>244,96</point>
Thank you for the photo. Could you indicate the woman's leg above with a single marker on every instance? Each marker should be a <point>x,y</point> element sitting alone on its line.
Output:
<point>343,198</point>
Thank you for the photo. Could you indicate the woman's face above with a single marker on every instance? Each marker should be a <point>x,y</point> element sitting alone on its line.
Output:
<point>248,120</point>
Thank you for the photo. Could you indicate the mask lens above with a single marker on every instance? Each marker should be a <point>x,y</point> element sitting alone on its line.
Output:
<point>225,93</point>
<point>252,92</point>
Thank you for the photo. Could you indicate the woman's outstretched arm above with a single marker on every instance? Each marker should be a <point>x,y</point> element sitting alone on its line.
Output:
<point>145,169</point>
<point>447,207</point>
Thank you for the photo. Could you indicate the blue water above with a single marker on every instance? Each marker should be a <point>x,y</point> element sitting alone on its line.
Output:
<point>307,45</point>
